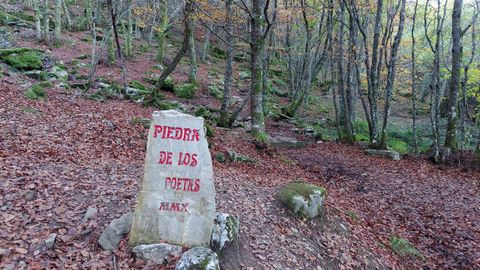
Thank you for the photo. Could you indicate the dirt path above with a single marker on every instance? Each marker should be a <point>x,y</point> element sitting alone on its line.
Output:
<point>436,208</point>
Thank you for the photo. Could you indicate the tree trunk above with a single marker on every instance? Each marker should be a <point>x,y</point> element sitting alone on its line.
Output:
<point>186,36</point>
<point>206,43</point>
<point>451,132</point>
<point>111,50</point>
<point>257,44</point>
<point>224,117</point>
<point>391,74</point>
<point>58,21</point>
<point>128,37</point>
<point>414,92</point>
<point>192,77</point>
<point>38,20</point>
<point>46,23</point>
<point>67,15</point>
<point>162,25</point>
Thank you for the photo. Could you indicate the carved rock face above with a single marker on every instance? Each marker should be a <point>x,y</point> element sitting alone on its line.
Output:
<point>177,198</point>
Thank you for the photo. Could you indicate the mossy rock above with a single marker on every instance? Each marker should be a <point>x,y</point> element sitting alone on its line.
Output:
<point>14,20</point>
<point>186,90</point>
<point>303,199</point>
<point>23,58</point>
<point>215,92</point>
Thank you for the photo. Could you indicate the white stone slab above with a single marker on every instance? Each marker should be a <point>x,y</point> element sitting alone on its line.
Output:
<point>177,200</point>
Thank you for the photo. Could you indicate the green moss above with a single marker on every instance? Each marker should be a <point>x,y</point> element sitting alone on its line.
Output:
<point>35,92</point>
<point>169,105</point>
<point>232,227</point>
<point>30,94</point>
<point>261,137</point>
<point>20,59</point>
<point>203,112</point>
<point>403,247</point>
<point>186,90</point>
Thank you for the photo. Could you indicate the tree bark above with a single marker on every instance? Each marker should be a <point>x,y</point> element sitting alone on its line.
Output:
<point>58,21</point>
<point>224,117</point>
<point>257,44</point>
<point>185,45</point>
<point>451,132</point>
<point>391,74</point>
<point>414,92</point>
<point>162,30</point>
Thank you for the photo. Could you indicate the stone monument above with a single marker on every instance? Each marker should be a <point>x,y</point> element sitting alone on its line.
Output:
<point>177,195</point>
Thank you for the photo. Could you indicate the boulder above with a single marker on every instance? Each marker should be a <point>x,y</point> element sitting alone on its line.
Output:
<point>303,199</point>
<point>225,231</point>
<point>115,231</point>
<point>157,253</point>
<point>198,258</point>
<point>393,155</point>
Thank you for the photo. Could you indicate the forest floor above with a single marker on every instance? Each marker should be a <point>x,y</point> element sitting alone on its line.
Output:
<point>66,153</point>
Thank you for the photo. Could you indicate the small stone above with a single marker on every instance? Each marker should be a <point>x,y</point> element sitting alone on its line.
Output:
<point>30,195</point>
<point>225,231</point>
<point>157,253</point>
<point>198,258</point>
<point>50,241</point>
<point>112,235</point>
<point>91,212</point>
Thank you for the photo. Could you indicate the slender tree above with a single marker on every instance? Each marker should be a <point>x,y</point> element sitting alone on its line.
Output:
<point>414,77</point>
<point>454,82</point>
<point>224,116</point>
